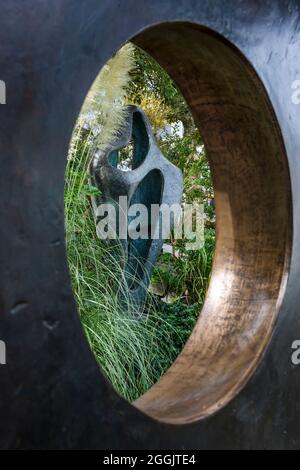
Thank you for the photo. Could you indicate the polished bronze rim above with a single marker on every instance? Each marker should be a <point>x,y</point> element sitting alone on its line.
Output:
<point>254,222</point>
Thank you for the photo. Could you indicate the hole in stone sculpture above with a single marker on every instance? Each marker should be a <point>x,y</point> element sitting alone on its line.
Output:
<point>126,157</point>
<point>136,339</point>
<point>133,145</point>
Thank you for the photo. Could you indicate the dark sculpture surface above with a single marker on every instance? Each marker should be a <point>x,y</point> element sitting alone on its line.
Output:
<point>234,63</point>
<point>152,179</point>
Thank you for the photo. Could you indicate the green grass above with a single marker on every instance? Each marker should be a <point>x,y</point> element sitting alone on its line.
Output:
<point>188,275</point>
<point>133,354</point>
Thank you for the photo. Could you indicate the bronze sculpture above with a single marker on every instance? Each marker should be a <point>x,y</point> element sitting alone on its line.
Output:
<point>153,180</point>
<point>234,385</point>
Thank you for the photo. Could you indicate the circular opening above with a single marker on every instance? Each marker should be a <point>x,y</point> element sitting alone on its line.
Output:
<point>252,198</point>
<point>138,299</point>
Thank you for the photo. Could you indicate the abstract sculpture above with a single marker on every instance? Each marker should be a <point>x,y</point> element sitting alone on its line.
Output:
<point>152,180</point>
<point>234,385</point>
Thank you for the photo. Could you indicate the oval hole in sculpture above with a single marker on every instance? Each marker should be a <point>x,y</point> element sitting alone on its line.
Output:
<point>254,222</point>
<point>132,155</point>
<point>254,225</point>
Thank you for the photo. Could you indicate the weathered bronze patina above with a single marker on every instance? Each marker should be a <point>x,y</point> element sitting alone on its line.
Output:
<point>151,181</point>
